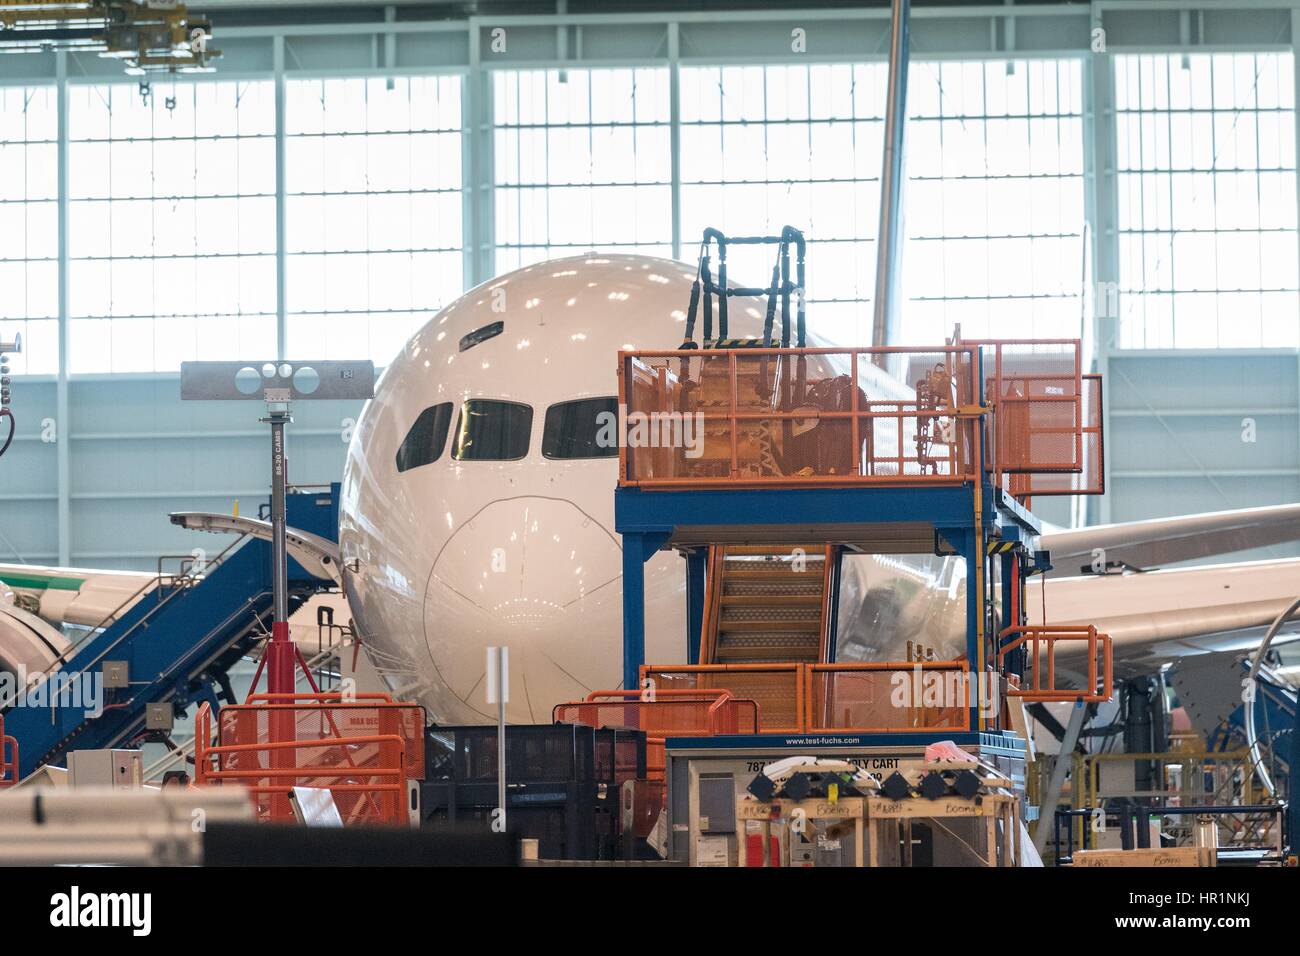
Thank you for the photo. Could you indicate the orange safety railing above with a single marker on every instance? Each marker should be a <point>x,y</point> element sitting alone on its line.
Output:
<point>1040,643</point>
<point>1034,388</point>
<point>889,697</point>
<point>8,757</point>
<point>826,416</point>
<point>876,697</point>
<point>778,688</point>
<point>1090,478</point>
<point>363,750</point>
<point>671,713</point>
<point>794,417</point>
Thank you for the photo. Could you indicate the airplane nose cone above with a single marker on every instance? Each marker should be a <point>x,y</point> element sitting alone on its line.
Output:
<point>538,576</point>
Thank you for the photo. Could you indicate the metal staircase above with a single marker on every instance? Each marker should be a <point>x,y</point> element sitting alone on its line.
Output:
<point>767,604</point>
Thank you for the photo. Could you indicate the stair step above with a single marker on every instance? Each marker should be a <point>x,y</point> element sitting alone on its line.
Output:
<point>807,614</point>
<point>773,600</point>
<point>740,627</point>
<point>759,655</point>
<point>781,572</point>
<point>760,549</point>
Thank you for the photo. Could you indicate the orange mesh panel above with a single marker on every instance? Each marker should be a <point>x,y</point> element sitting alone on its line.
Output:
<point>1091,478</point>
<point>665,718</point>
<point>896,697</point>
<point>251,723</point>
<point>777,689</point>
<point>337,750</point>
<point>1035,389</point>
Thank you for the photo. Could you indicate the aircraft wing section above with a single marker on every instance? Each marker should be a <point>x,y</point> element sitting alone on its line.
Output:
<point>318,555</point>
<point>1162,541</point>
<point>81,596</point>
<point>1157,615</point>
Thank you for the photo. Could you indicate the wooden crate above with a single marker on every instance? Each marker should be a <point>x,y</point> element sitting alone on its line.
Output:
<point>1163,857</point>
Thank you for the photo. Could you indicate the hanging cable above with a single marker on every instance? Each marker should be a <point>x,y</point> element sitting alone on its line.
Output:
<point>13,426</point>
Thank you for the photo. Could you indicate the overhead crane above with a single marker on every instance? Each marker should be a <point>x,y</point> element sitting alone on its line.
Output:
<point>148,36</point>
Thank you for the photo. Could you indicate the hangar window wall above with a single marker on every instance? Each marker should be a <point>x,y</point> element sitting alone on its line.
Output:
<point>29,277</point>
<point>373,212</point>
<point>1207,200</point>
<point>767,146</point>
<point>171,203</point>
<point>171,224</point>
<point>994,199</point>
<point>582,161</point>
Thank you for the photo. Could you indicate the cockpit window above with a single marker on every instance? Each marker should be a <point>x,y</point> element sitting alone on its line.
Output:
<point>423,444</point>
<point>489,331</point>
<point>491,430</point>
<point>584,428</point>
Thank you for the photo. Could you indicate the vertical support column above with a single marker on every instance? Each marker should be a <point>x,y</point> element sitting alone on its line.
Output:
<point>390,45</point>
<point>695,585</point>
<point>634,547</point>
<point>968,545</point>
<point>1295,52</point>
<point>281,299</point>
<point>1064,760</point>
<point>280,650</point>
<point>63,427</point>
<point>478,168</point>
<point>1101,205</point>
<point>889,236</point>
<point>675,133</point>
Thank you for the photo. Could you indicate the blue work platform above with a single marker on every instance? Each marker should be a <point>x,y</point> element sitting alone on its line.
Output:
<point>937,518</point>
<point>177,641</point>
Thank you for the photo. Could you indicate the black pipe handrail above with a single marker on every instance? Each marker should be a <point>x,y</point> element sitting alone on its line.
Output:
<point>781,288</point>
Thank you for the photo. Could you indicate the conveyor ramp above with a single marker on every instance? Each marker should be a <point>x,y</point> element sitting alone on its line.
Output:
<point>177,644</point>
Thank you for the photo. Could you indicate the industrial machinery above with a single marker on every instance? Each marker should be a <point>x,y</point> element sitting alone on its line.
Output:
<point>171,644</point>
<point>811,455</point>
<point>149,36</point>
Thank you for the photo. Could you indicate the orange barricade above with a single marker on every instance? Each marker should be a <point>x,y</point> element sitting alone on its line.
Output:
<point>1035,389</point>
<point>1090,479</point>
<point>1041,648</point>
<point>672,713</point>
<point>777,688</point>
<point>8,757</point>
<point>363,750</point>
<point>876,697</point>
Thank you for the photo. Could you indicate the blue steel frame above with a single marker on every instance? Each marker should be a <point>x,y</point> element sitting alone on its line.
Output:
<point>651,520</point>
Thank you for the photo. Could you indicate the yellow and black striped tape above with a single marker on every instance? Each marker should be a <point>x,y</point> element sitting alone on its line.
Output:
<point>999,546</point>
<point>741,344</point>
